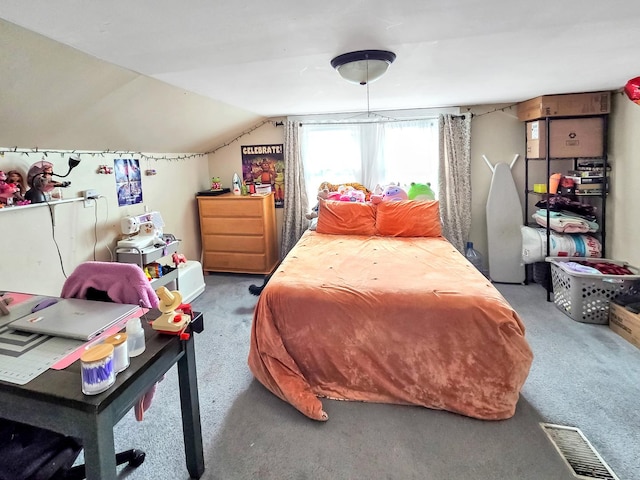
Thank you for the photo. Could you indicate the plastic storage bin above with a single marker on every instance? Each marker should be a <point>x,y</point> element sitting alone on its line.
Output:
<point>585,297</point>
<point>190,280</point>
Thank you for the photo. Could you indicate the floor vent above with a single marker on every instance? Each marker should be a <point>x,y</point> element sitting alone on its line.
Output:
<point>578,453</point>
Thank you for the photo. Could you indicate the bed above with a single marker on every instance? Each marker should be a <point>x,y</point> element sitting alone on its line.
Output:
<point>376,306</point>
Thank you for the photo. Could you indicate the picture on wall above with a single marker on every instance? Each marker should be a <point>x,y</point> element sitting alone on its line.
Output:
<point>128,181</point>
<point>263,169</point>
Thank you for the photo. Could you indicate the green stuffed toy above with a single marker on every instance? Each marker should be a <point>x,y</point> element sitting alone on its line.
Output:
<point>420,191</point>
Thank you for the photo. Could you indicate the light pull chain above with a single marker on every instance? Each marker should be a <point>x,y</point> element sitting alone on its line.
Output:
<point>368,109</point>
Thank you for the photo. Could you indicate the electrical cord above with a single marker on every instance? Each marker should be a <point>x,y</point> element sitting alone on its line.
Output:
<point>53,235</point>
<point>95,232</point>
<point>95,228</point>
<point>106,218</point>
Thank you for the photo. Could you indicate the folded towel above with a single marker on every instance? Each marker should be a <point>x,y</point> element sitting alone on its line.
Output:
<point>593,224</point>
<point>563,225</point>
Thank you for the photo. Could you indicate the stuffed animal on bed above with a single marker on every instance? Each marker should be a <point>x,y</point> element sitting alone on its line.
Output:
<point>420,191</point>
<point>350,194</point>
<point>391,193</point>
<point>334,187</point>
<point>346,192</point>
<point>322,194</point>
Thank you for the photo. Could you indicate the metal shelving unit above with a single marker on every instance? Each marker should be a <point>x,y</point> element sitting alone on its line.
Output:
<point>601,207</point>
<point>146,255</point>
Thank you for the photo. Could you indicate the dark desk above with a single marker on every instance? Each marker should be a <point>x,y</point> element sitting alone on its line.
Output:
<point>54,400</point>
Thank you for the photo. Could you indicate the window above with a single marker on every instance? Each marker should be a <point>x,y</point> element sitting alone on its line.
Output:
<point>370,153</point>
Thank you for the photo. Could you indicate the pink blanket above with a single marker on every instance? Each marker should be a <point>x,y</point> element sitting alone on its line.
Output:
<point>123,283</point>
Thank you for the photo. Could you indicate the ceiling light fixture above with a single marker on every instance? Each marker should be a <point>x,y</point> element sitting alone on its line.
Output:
<point>363,66</point>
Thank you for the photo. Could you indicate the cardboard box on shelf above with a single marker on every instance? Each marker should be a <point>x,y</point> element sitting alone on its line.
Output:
<point>625,323</point>
<point>569,105</point>
<point>568,138</point>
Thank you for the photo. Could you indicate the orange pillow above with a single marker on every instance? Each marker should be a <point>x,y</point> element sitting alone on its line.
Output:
<point>346,218</point>
<point>409,218</point>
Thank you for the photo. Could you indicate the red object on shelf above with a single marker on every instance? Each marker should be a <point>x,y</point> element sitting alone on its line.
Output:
<point>632,89</point>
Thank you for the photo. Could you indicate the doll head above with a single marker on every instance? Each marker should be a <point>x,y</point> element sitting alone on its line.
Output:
<point>39,176</point>
<point>16,178</point>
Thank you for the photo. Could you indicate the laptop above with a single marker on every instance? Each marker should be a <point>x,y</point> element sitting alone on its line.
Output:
<point>74,318</point>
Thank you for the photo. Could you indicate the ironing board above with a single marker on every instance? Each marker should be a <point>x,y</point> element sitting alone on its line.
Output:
<point>504,219</point>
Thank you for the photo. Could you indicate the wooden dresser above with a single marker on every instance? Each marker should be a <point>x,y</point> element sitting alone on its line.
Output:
<point>238,233</point>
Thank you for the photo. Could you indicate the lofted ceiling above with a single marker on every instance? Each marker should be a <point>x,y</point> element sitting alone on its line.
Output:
<point>273,58</point>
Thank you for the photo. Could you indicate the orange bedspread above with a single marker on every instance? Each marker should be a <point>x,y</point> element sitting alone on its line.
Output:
<point>389,320</point>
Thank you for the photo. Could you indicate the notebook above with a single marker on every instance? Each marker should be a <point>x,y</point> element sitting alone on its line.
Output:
<point>74,318</point>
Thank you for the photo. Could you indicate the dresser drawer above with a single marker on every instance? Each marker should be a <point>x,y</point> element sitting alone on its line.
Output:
<point>233,243</point>
<point>239,226</point>
<point>235,262</point>
<point>231,208</point>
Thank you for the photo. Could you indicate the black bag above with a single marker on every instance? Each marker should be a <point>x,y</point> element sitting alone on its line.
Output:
<point>32,453</point>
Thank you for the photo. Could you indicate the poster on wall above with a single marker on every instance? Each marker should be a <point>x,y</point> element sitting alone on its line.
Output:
<point>128,181</point>
<point>263,170</point>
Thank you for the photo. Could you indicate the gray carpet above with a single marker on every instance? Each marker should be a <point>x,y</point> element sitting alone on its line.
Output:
<point>583,375</point>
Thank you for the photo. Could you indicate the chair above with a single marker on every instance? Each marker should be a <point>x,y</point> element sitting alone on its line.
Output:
<point>118,283</point>
<point>40,454</point>
<point>35,453</point>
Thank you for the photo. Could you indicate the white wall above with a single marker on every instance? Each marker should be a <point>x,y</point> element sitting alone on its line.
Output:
<point>496,133</point>
<point>54,96</point>
<point>623,228</point>
<point>30,260</point>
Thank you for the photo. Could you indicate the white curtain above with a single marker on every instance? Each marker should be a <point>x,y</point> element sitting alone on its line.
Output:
<point>370,153</point>
<point>295,195</point>
<point>371,150</point>
<point>455,178</point>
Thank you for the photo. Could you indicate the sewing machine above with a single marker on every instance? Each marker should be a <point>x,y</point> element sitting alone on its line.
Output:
<point>144,231</point>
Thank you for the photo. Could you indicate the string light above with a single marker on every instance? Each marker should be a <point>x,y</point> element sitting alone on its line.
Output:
<point>502,109</point>
<point>141,155</point>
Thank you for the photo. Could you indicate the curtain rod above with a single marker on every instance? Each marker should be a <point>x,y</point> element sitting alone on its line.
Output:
<point>366,122</point>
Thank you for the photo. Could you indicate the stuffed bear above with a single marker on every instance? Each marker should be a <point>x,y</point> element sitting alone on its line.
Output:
<point>322,194</point>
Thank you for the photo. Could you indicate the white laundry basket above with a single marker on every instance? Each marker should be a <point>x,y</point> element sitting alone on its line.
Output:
<point>585,297</point>
<point>190,280</point>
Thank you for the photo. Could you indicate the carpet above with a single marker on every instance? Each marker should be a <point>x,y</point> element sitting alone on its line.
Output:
<point>251,434</point>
